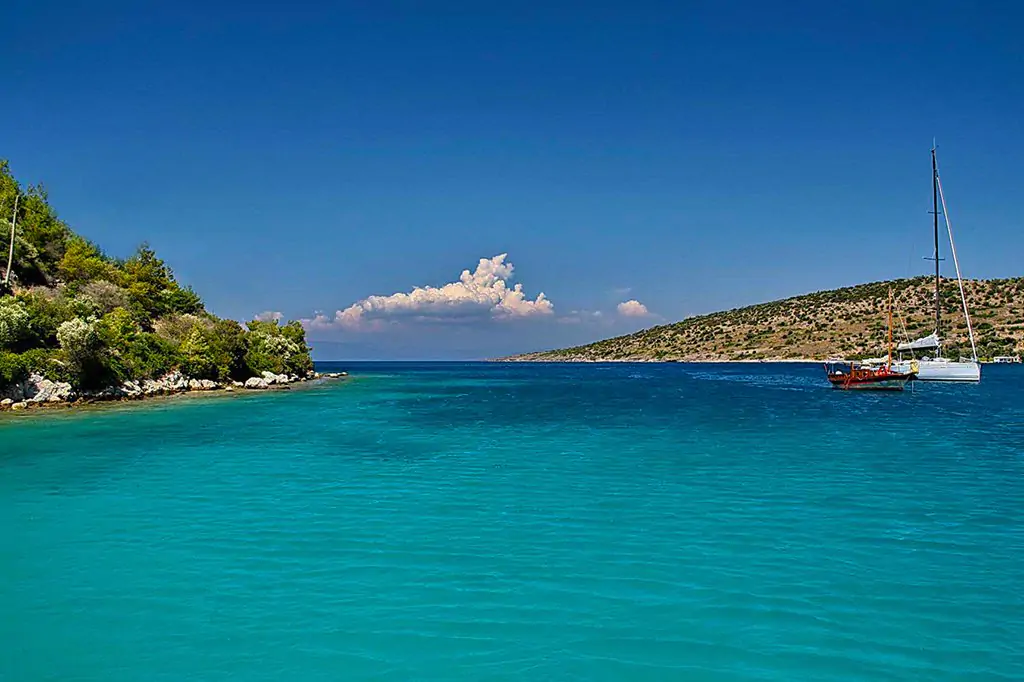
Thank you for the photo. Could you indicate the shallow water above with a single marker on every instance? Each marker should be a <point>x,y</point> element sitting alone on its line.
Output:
<point>522,522</point>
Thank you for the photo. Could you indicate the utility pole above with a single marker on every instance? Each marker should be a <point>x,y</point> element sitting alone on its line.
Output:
<point>10,251</point>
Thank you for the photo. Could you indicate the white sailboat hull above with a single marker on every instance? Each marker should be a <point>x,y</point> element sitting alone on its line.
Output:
<point>941,370</point>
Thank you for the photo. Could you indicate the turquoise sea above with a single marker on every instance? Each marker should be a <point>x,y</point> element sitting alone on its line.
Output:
<point>521,522</point>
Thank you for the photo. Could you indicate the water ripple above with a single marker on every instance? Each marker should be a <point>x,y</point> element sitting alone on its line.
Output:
<point>490,522</point>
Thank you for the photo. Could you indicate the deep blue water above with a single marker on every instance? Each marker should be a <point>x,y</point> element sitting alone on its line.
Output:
<point>521,522</point>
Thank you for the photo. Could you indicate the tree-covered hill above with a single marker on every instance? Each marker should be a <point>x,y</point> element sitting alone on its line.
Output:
<point>848,322</point>
<point>71,313</point>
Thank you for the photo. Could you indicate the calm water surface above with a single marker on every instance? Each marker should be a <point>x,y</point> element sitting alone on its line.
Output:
<point>521,522</point>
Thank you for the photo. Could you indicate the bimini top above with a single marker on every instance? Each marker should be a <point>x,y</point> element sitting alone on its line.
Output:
<point>930,341</point>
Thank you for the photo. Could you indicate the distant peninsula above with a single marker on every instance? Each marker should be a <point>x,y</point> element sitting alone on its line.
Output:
<point>79,325</point>
<point>848,322</point>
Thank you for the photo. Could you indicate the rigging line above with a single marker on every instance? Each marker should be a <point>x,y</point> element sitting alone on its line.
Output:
<point>956,263</point>
<point>903,323</point>
<point>899,314</point>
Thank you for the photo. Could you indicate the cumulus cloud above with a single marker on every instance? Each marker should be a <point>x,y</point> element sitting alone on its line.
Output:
<point>270,316</point>
<point>632,308</point>
<point>484,292</point>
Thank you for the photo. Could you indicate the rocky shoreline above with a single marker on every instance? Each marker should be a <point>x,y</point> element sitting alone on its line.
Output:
<point>38,391</point>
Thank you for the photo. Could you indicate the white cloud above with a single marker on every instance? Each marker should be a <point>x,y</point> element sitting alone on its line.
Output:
<point>485,292</point>
<point>319,321</point>
<point>632,308</point>
<point>270,315</point>
<point>582,317</point>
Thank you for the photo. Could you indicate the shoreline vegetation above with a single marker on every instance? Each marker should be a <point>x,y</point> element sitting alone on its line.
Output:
<point>826,324</point>
<point>80,326</point>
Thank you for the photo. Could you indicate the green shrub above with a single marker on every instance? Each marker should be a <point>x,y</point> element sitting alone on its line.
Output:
<point>116,332</point>
<point>83,349</point>
<point>15,323</point>
<point>48,362</point>
<point>153,289</point>
<point>47,309</point>
<point>149,357</point>
<point>103,296</point>
<point>227,340</point>
<point>131,353</point>
<point>272,348</point>
<point>174,328</point>
<point>299,361</point>
<point>15,367</point>
<point>197,357</point>
<point>185,300</point>
<point>12,369</point>
<point>83,262</point>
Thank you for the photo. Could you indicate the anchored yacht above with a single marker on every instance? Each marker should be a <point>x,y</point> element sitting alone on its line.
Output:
<point>932,366</point>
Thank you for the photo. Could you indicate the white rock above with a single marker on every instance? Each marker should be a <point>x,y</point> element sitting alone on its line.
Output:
<point>237,384</point>
<point>256,382</point>
<point>175,382</point>
<point>208,384</point>
<point>19,406</point>
<point>6,402</point>
<point>38,389</point>
<point>62,392</point>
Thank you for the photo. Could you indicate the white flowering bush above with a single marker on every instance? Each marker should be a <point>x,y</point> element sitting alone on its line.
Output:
<point>78,340</point>
<point>14,321</point>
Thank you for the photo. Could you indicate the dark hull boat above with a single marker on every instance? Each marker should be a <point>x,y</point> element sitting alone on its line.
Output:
<point>859,378</point>
<point>869,379</point>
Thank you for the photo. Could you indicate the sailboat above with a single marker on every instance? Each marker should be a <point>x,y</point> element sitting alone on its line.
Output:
<point>866,378</point>
<point>935,367</point>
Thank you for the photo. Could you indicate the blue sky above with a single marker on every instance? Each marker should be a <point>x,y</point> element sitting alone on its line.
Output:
<point>302,157</point>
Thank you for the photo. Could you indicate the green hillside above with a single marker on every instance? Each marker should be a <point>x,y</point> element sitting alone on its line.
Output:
<point>848,322</point>
<point>73,314</point>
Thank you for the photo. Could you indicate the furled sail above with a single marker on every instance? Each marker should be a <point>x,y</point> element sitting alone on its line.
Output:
<point>930,341</point>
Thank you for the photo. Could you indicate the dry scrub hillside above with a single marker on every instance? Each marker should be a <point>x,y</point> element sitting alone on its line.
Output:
<point>848,322</point>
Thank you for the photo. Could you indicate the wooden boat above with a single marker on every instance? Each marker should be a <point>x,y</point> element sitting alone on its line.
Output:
<point>861,378</point>
<point>869,378</point>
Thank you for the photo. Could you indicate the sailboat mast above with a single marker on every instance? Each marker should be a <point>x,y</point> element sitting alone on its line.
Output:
<point>935,215</point>
<point>888,364</point>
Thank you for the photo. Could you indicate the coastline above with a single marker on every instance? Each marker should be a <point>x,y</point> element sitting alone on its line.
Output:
<point>36,392</point>
<point>575,360</point>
